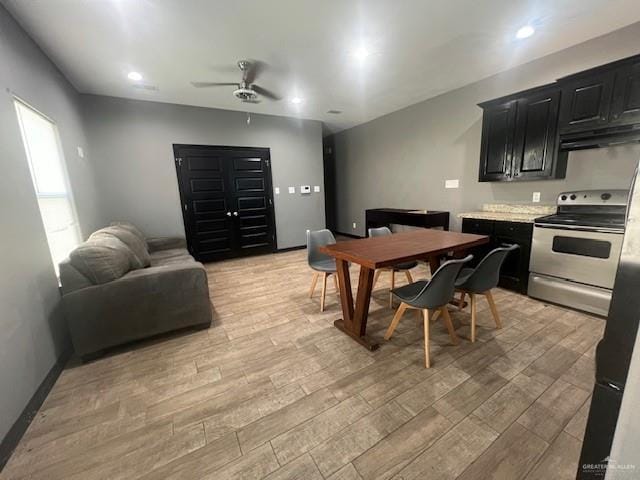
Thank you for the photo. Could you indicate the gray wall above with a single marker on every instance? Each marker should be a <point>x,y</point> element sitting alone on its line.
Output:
<point>131,144</point>
<point>32,330</point>
<point>403,159</point>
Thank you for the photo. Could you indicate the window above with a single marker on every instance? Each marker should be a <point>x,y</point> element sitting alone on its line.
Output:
<point>42,146</point>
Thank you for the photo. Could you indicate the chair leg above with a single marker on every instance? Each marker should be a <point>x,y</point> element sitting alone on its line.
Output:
<point>494,310</point>
<point>396,319</point>
<point>324,291</point>
<point>449,324</point>
<point>425,314</point>
<point>314,280</point>
<point>408,275</point>
<point>393,285</point>
<point>335,283</point>
<point>461,301</point>
<point>472,296</point>
<point>375,278</point>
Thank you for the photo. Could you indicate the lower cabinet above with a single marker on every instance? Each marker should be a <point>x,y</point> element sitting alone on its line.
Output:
<point>515,270</point>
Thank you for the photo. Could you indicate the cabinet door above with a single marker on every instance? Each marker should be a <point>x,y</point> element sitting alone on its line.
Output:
<point>535,149</point>
<point>498,127</point>
<point>586,102</point>
<point>479,227</point>
<point>625,104</point>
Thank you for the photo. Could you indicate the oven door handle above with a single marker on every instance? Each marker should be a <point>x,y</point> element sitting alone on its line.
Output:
<point>578,229</point>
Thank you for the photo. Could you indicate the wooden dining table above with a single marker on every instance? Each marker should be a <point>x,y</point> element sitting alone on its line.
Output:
<point>383,252</point>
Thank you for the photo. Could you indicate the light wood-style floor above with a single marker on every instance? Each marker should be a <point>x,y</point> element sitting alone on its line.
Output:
<point>274,391</point>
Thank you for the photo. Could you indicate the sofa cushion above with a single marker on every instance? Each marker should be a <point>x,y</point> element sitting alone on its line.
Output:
<point>170,256</point>
<point>133,229</point>
<point>137,246</point>
<point>102,259</point>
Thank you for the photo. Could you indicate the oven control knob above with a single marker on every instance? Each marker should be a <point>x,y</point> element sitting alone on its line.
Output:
<point>605,196</point>
<point>572,197</point>
<point>563,197</point>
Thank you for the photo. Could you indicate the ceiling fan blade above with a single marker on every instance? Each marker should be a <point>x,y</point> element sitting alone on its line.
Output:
<point>265,93</point>
<point>213,84</point>
<point>255,69</point>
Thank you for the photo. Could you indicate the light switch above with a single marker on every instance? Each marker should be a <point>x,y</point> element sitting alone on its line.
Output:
<point>452,183</point>
<point>305,189</point>
<point>292,189</point>
<point>355,225</point>
<point>536,197</point>
<point>277,190</point>
<point>316,188</point>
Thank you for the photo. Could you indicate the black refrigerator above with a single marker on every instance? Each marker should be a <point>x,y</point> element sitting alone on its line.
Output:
<point>615,350</point>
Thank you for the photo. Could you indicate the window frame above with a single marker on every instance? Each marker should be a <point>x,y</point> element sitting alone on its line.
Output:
<point>20,103</point>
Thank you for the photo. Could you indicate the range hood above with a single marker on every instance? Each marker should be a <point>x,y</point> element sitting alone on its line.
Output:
<point>606,137</point>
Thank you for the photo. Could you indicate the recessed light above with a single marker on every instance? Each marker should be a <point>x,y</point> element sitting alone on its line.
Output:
<point>525,32</point>
<point>360,53</point>
<point>296,100</point>
<point>135,76</point>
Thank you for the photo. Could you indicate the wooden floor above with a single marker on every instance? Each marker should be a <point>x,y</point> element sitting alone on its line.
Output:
<point>274,391</point>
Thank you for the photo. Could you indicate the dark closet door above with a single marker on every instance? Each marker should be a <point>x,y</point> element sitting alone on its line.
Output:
<point>226,199</point>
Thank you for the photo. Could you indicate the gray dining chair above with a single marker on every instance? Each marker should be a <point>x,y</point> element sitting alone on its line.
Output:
<point>401,267</point>
<point>430,297</point>
<point>321,264</point>
<point>480,281</point>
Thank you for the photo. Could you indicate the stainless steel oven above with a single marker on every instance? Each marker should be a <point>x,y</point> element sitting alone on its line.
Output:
<point>575,253</point>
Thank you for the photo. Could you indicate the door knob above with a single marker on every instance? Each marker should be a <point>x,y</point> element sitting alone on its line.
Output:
<point>228,214</point>
<point>235,214</point>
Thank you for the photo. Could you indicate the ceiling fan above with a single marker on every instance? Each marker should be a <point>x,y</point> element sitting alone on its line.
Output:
<point>246,90</point>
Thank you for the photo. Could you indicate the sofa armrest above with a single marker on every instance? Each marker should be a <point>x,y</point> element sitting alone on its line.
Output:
<point>142,303</point>
<point>164,243</point>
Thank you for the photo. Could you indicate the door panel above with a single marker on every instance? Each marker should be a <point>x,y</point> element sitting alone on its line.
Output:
<point>227,203</point>
<point>585,103</point>
<point>536,138</point>
<point>625,106</point>
<point>252,207</point>
<point>498,126</point>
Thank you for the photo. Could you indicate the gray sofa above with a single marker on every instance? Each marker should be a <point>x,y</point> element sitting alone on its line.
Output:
<point>119,286</point>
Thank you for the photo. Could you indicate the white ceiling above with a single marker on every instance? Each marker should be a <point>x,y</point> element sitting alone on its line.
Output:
<point>419,48</point>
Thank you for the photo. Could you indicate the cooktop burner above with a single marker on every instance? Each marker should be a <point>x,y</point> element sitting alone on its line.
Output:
<point>589,209</point>
<point>584,220</point>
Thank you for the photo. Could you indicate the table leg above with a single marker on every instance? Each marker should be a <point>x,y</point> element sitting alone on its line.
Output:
<point>434,263</point>
<point>346,295</point>
<point>354,322</point>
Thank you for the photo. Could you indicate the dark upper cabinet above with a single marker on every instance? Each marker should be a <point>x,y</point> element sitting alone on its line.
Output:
<point>585,102</point>
<point>498,130</point>
<point>625,102</point>
<point>519,137</point>
<point>535,153</point>
<point>603,97</point>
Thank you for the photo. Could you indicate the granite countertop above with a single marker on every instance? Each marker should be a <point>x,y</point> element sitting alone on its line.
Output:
<point>510,212</point>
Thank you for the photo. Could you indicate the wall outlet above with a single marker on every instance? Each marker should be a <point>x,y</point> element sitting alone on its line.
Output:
<point>277,190</point>
<point>292,189</point>
<point>355,225</point>
<point>536,197</point>
<point>455,183</point>
<point>305,189</point>
<point>316,188</point>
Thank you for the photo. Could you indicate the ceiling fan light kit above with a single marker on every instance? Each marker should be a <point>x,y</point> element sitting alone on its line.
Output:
<point>246,91</point>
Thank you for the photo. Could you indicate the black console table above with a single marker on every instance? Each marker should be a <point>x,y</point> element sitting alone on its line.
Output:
<point>384,217</point>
